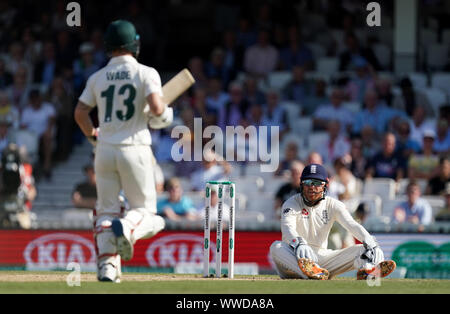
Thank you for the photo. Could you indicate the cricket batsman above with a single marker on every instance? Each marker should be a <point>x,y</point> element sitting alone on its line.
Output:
<point>128,96</point>
<point>306,220</point>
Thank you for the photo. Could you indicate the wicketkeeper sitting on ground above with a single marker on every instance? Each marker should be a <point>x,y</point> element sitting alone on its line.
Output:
<point>306,220</point>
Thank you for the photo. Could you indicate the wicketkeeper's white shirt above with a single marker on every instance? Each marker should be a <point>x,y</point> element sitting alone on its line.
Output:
<point>119,90</point>
<point>314,223</point>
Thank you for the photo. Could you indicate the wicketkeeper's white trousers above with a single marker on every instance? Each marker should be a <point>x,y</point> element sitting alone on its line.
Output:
<point>335,261</point>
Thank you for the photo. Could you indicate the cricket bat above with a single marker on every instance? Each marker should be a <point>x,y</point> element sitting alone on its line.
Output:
<point>177,86</point>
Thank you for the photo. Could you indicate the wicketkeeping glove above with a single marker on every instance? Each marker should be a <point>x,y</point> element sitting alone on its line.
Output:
<point>162,121</point>
<point>373,254</point>
<point>303,250</point>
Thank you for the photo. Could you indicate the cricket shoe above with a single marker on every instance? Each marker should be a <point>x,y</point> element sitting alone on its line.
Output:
<point>108,273</point>
<point>124,239</point>
<point>382,270</point>
<point>312,270</point>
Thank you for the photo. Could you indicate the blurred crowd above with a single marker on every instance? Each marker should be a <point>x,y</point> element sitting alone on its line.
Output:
<point>391,130</point>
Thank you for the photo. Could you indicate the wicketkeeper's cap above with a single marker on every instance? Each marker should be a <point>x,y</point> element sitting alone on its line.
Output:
<point>314,171</point>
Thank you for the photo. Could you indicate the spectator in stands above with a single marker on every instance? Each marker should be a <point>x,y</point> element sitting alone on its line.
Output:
<point>100,57</point>
<point>358,162</point>
<point>424,165</point>
<point>410,98</point>
<point>8,111</point>
<point>201,109</point>
<point>261,58</point>
<point>290,155</point>
<point>415,209</point>
<point>437,184</point>
<point>336,145</point>
<point>235,109</point>
<point>361,213</point>
<point>298,89</point>
<point>274,114</point>
<point>246,36</point>
<point>296,52</point>
<point>5,133</point>
<point>372,115</point>
<point>234,54</point>
<point>197,69</point>
<point>62,99</point>
<point>406,146</point>
<point>332,111</point>
<point>211,170</point>
<point>216,98</point>
<point>345,177</point>
<point>176,206</point>
<point>46,68</point>
<point>66,49</point>
<point>291,188</point>
<point>354,50</point>
<point>215,67</point>
<point>419,125</point>
<point>244,147</point>
<point>39,117</point>
<point>383,87</point>
<point>370,142</point>
<point>18,91</point>
<point>6,78</point>
<point>85,66</point>
<point>264,18</point>
<point>444,213</point>
<point>314,158</point>
<point>363,80</point>
<point>84,194</point>
<point>442,140</point>
<point>16,60</point>
<point>318,97</point>
<point>252,92</point>
<point>387,163</point>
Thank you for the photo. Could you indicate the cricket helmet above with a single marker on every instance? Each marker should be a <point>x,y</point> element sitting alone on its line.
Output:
<point>121,34</point>
<point>314,172</point>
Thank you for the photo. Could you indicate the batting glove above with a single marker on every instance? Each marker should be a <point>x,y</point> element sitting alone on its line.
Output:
<point>162,121</point>
<point>93,138</point>
<point>303,250</point>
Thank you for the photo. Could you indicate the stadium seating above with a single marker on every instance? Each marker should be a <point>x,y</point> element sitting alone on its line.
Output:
<point>385,187</point>
<point>317,50</point>
<point>327,65</point>
<point>436,56</point>
<point>436,97</point>
<point>441,80</point>
<point>419,80</point>
<point>427,37</point>
<point>383,54</point>
<point>436,202</point>
<point>278,80</point>
<point>445,36</point>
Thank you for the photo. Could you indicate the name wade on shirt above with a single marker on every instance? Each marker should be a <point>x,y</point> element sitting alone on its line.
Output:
<point>117,76</point>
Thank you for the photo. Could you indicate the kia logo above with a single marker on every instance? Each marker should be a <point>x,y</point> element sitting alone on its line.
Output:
<point>170,250</point>
<point>56,250</point>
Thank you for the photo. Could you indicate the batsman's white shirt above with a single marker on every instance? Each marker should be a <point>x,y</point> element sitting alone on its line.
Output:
<point>314,223</point>
<point>123,157</point>
<point>119,90</point>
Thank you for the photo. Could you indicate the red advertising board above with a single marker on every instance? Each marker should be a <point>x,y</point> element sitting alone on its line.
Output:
<point>52,249</point>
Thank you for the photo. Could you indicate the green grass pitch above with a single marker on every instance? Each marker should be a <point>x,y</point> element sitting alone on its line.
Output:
<point>136,283</point>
